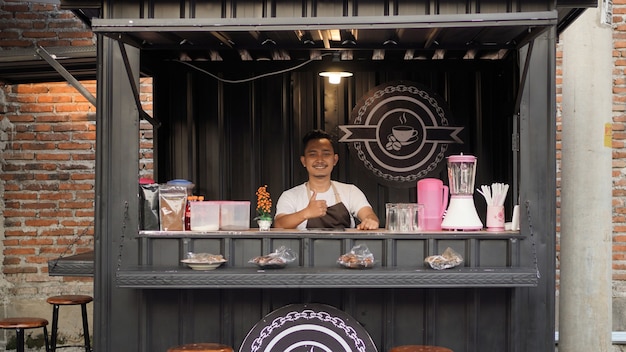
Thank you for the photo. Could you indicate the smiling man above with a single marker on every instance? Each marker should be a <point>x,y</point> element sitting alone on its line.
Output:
<point>321,202</point>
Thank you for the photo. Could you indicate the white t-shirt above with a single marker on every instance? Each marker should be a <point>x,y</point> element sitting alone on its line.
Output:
<point>297,198</point>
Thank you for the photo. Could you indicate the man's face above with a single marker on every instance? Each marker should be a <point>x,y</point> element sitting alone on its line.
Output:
<point>319,157</point>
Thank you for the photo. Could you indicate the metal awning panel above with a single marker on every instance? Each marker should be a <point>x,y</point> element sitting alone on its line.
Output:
<point>26,65</point>
<point>296,30</point>
<point>367,37</point>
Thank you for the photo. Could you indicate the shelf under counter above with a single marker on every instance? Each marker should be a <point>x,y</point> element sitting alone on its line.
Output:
<point>74,265</point>
<point>148,277</point>
<point>491,259</point>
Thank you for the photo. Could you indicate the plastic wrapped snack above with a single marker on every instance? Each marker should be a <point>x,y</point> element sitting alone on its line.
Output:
<point>448,259</point>
<point>359,257</point>
<point>276,260</point>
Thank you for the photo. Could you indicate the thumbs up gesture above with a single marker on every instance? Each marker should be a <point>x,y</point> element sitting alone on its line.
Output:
<point>316,208</point>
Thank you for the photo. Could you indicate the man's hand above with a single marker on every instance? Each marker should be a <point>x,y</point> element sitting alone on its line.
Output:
<point>369,220</point>
<point>316,208</point>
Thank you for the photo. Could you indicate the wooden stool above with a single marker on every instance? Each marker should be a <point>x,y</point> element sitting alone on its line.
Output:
<point>202,347</point>
<point>19,324</point>
<point>419,348</point>
<point>69,300</point>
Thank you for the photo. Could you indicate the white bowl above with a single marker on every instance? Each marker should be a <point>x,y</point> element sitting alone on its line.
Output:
<point>202,265</point>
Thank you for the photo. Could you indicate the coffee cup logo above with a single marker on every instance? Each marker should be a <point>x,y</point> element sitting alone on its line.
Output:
<point>404,134</point>
<point>401,135</point>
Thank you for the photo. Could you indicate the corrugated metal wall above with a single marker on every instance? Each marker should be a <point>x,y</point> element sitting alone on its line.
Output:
<point>230,138</point>
<point>315,8</point>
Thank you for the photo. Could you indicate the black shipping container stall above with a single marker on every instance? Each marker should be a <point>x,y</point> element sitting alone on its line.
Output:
<point>236,86</point>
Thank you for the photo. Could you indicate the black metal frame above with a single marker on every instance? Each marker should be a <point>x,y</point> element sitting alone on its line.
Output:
<point>117,247</point>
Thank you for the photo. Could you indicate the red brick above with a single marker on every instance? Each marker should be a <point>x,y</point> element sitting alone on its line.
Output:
<point>52,156</point>
<point>21,196</point>
<point>85,136</point>
<point>85,213</point>
<point>39,205</point>
<point>57,232</point>
<point>76,223</point>
<point>56,212</point>
<point>37,242</point>
<point>38,34</point>
<point>75,205</point>
<point>38,146</point>
<point>75,146</point>
<point>11,261</point>
<point>20,270</point>
<point>73,107</point>
<point>75,186</point>
<point>18,251</point>
<point>90,156</point>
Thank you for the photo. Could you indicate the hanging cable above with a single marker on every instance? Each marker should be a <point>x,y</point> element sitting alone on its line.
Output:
<point>254,77</point>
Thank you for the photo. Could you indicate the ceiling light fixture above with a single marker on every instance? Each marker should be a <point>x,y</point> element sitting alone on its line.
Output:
<point>334,77</point>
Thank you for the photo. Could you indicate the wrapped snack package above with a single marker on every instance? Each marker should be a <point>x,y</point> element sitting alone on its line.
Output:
<point>276,260</point>
<point>172,201</point>
<point>448,259</point>
<point>149,206</point>
<point>359,257</point>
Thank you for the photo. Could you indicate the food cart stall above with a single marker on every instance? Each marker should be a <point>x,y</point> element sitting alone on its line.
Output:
<point>236,86</point>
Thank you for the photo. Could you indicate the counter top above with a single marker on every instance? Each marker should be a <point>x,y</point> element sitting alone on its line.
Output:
<point>326,233</point>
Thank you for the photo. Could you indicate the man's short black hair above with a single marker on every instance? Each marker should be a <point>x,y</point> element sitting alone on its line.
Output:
<point>315,135</point>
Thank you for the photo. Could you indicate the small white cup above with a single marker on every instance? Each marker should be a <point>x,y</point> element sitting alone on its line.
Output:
<point>515,219</point>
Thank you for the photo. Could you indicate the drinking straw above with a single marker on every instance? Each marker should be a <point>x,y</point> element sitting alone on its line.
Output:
<point>496,195</point>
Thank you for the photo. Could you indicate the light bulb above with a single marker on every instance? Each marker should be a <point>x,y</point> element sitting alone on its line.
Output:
<point>334,79</point>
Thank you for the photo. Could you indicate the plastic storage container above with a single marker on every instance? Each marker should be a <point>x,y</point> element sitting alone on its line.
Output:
<point>182,183</point>
<point>205,216</point>
<point>234,215</point>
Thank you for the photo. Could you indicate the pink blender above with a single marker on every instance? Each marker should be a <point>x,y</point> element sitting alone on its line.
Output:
<point>461,213</point>
<point>433,194</point>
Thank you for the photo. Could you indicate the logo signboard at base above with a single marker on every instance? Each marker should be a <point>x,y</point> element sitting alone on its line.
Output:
<point>308,328</point>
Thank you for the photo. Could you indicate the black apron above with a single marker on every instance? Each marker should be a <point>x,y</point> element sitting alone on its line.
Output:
<point>337,215</point>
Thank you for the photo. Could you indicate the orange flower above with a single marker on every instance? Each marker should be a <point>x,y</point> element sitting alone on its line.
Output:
<point>263,203</point>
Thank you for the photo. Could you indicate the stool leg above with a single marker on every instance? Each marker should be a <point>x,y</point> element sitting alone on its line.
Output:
<point>20,339</point>
<point>45,338</point>
<point>55,318</point>
<point>83,308</point>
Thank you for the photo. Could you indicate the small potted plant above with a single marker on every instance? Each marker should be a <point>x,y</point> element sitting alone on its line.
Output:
<point>263,208</point>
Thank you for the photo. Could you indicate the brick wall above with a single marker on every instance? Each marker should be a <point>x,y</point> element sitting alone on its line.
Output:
<point>26,24</point>
<point>48,175</point>
<point>619,159</point>
<point>47,162</point>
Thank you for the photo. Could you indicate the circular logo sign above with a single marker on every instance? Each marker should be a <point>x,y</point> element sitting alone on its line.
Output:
<point>308,328</point>
<point>400,131</point>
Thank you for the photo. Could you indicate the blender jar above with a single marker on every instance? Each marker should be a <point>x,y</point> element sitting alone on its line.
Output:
<point>461,174</point>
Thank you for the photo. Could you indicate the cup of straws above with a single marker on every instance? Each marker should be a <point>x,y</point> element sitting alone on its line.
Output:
<point>495,197</point>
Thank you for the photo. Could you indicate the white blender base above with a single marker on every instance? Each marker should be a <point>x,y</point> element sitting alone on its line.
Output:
<point>461,214</point>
